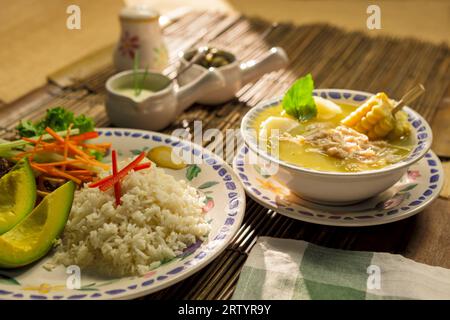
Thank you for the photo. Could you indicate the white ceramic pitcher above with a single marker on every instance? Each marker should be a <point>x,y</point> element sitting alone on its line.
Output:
<point>141,34</point>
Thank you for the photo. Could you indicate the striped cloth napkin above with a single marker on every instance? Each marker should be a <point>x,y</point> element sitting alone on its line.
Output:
<point>292,269</point>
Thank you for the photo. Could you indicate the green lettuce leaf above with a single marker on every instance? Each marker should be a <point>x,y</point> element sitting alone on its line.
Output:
<point>58,119</point>
<point>27,129</point>
<point>85,124</point>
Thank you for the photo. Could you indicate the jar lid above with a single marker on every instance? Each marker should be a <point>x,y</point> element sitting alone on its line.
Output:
<point>140,12</point>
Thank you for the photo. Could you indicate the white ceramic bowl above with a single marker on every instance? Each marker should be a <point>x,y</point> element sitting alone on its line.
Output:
<point>339,187</point>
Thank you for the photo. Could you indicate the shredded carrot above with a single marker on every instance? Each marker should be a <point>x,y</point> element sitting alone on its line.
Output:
<point>71,175</point>
<point>93,162</point>
<point>52,147</point>
<point>77,164</point>
<point>82,172</point>
<point>105,145</point>
<point>60,173</point>
<point>71,147</point>
<point>34,141</point>
<point>86,178</point>
<point>38,168</point>
<point>35,147</point>
<point>55,136</point>
<point>66,145</point>
<point>58,163</point>
<point>21,155</point>
<point>77,151</point>
<point>97,147</point>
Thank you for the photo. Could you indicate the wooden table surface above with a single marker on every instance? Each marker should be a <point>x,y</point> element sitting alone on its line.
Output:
<point>336,59</point>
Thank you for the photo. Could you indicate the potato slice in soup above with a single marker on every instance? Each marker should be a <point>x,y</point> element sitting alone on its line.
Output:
<point>326,109</point>
<point>282,124</point>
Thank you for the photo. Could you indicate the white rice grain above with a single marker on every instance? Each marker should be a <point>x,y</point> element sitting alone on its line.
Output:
<point>159,217</point>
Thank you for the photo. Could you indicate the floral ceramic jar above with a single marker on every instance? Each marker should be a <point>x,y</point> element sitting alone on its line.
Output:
<point>142,36</point>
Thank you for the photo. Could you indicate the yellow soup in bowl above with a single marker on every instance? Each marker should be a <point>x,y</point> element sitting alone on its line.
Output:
<point>325,144</point>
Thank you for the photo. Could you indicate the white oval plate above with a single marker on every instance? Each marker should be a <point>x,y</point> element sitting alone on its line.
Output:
<point>416,190</point>
<point>226,203</point>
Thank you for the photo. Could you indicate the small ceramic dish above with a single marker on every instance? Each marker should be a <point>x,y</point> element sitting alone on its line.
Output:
<point>161,101</point>
<point>236,73</point>
<point>339,187</point>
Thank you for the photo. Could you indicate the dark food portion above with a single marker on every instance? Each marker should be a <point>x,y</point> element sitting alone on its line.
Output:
<point>213,57</point>
<point>5,166</point>
<point>47,185</point>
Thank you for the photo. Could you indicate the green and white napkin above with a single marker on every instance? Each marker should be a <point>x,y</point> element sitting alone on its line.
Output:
<point>293,269</point>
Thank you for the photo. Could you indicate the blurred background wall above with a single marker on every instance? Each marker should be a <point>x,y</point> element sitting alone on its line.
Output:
<point>35,41</point>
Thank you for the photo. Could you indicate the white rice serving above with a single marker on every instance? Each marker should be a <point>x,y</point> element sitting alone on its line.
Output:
<point>159,217</point>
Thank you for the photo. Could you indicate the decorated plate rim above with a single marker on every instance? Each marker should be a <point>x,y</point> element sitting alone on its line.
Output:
<point>342,222</point>
<point>140,286</point>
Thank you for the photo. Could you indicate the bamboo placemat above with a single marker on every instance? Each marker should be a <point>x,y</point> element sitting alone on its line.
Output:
<point>336,59</point>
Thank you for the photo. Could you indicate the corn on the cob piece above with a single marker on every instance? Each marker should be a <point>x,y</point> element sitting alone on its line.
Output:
<point>356,116</point>
<point>402,126</point>
<point>374,118</point>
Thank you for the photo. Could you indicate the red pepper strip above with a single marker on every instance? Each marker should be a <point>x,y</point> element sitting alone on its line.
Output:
<point>122,173</point>
<point>117,184</point>
<point>85,136</point>
<point>137,168</point>
<point>110,180</point>
<point>142,166</point>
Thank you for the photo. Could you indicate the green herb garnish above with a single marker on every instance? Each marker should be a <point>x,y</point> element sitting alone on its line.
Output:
<point>97,154</point>
<point>298,101</point>
<point>27,129</point>
<point>138,82</point>
<point>135,73</point>
<point>85,124</point>
<point>58,119</point>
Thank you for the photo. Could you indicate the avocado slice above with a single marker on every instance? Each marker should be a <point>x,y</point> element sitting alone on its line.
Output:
<point>17,195</point>
<point>34,236</point>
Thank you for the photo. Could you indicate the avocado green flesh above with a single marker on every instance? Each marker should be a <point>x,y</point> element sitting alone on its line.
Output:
<point>17,195</point>
<point>34,236</point>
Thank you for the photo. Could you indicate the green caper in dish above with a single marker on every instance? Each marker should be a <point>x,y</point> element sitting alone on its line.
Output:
<point>211,57</point>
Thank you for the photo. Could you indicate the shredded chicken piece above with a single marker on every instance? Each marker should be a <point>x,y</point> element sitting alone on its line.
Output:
<point>346,143</point>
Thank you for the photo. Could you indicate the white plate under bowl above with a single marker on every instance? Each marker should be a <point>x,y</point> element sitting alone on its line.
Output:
<point>416,190</point>
<point>226,200</point>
